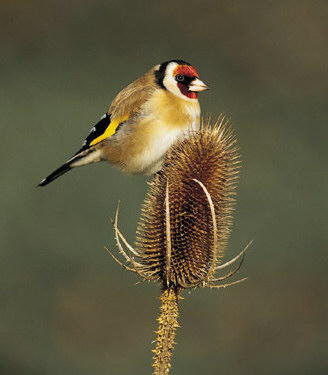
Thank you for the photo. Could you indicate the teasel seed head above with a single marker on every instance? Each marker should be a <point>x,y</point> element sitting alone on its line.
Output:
<point>187,215</point>
<point>185,224</point>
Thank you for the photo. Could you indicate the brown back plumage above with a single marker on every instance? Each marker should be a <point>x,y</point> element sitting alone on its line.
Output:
<point>129,101</point>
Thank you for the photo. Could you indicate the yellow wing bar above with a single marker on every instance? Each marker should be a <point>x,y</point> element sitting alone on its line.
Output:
<point>110,130</point>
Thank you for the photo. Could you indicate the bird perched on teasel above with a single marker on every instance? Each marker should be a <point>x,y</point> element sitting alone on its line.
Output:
<point>143,121</point>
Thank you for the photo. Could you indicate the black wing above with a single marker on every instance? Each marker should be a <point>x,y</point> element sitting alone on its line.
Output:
<point>95,132</point>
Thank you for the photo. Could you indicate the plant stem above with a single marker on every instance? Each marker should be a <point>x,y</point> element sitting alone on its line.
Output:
<point>168,323</point>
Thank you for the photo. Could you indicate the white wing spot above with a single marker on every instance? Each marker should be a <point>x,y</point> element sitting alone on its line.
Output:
<point>103,116</point>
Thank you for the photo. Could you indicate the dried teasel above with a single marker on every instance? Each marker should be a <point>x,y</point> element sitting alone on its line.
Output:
<point>185,224</point>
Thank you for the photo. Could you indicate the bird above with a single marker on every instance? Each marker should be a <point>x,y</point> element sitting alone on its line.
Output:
<point>143,121</point>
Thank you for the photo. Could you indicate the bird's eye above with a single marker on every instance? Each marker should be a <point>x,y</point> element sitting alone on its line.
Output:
<point>179,77</point>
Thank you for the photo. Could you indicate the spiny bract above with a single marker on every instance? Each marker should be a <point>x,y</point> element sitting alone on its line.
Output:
<point>178,201</point>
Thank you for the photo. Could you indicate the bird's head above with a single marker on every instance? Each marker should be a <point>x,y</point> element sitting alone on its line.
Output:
<point>180,78</point>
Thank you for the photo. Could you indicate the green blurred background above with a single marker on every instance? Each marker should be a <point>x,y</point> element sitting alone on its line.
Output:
<point>66,308</point>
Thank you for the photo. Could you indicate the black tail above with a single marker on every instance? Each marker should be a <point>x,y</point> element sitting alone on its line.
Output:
<point>79,159</point>
<point>58,172</point>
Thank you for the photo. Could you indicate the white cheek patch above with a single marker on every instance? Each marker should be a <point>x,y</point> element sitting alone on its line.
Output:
<point>169,81</point>
<point>171,84</point>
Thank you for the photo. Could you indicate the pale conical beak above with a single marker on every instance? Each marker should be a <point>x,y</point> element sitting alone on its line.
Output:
<point>197,85</point>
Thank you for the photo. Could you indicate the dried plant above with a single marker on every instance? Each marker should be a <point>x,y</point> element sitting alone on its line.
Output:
<point>185,224</point>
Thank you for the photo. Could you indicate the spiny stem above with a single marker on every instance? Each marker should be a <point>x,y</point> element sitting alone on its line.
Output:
<point>168,323</point>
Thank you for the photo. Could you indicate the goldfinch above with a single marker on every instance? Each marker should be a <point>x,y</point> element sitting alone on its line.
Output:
<point>143,121</point>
